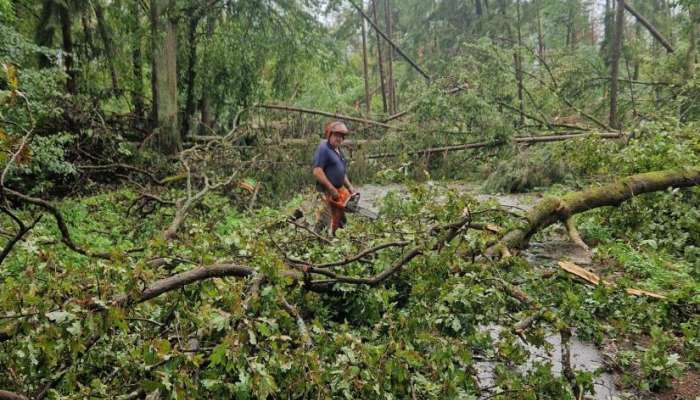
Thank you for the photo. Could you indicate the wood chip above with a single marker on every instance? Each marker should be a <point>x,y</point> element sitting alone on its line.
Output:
<point>594,279</point>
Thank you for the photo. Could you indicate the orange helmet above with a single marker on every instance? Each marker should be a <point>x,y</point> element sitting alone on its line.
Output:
<point>335,127</point>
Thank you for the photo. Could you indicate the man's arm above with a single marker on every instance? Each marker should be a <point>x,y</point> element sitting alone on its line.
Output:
<point>347,184</point>
<point>323,180</point>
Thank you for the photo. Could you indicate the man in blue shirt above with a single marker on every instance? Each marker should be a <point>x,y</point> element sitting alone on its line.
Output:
<point>330,171</point>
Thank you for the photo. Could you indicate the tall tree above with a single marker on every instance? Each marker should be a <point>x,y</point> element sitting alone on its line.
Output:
<point>137,94</point>
<point>691,55</point>
<point>615,63</point>
<point>106,36</point>
<point>364,64</point>
<point>380,58</point>
<point>164,80</point>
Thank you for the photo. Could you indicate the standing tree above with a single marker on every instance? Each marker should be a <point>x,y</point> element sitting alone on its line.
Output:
<point>615,63</point>
<point>164,76</point>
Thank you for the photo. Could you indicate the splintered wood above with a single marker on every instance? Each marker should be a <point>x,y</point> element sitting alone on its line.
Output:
<point>594,279</point>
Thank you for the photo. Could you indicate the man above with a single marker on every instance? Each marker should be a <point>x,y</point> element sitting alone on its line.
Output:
<point>330,171</point>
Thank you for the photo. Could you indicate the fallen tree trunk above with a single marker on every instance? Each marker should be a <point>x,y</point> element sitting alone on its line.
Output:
<point>326,114</point>
<point>654,32</point>
<point>519,139</point>
<point>551,210</point>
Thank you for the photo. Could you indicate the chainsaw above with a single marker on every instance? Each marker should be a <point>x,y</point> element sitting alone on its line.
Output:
<point>351,203</point>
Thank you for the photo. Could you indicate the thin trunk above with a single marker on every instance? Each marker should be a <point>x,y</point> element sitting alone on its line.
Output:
<point>478,9</point>
<point>191,76</point>
<point>605,48</point>
<point>540,35</point>
<point>615,63</point>
<point>380,59</point>
<point>45,31</point>
<point>364,66</point>
<point>389,58</point>
<point>692,42</point>
<point>207,118</point>
<point>519,66</point>
<point>137,62</point>
<point>167,137</point>
<point>67,48</point>
<point>89,47</point>
<point>109,46</point>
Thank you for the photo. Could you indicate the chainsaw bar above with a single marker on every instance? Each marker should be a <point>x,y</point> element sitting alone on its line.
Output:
<point>353,205</point>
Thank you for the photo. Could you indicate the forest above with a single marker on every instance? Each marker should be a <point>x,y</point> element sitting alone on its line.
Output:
<point>528,223</point>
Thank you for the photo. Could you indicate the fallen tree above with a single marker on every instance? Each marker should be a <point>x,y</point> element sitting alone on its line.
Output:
<point>551,210</point>
<point>517,139</point>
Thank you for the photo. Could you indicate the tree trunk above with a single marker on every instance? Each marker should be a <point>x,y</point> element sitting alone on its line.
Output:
<point>207,117</point>
<point>191,76</point>
<point>137,94</point>
<point>364,66</point>
<point>654,32</point>
<point>519,66</point>
<point>380,58</point>
<point>167,137</point>
<point>559,209</point>
<point>109,46</point>
<point>605,47</point>
<point>45,31</point>
<point>615,63</point>
<point>540,36</point>
<point>691,55</point>
<point>89,46</point>
<point>389,59</point>
<point>66,26</point>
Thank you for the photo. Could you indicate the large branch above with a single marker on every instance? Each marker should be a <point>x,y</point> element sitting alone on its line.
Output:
<point>65,233</point>
<point>558,209</point>
<point>655,33</point>
<point>383,35</point>
<point>5,395</point>
<point>326,114</point>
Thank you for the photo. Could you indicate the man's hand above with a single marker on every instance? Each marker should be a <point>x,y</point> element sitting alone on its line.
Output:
<point>334,193</point>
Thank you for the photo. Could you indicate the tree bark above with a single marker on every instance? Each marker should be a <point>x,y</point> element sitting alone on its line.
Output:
<point>109,46</point>
<point>166,136</point>
<point>558,209</point>
<point>615,63</point>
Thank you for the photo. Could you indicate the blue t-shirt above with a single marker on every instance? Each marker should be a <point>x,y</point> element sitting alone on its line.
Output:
<point>332,163</point>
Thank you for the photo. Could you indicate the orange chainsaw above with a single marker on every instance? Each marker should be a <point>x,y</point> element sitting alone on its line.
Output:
<point>350,203</point>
